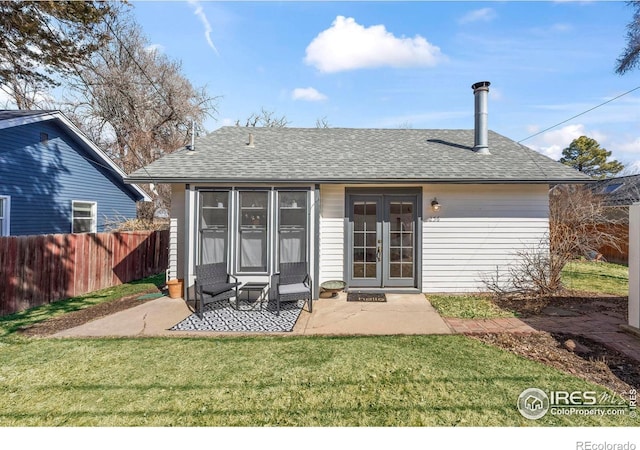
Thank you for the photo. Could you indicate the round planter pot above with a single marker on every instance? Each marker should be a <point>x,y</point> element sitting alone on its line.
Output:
<point>175,288</point>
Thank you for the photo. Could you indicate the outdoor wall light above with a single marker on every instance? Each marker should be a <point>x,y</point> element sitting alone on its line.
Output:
<point>435,205</point>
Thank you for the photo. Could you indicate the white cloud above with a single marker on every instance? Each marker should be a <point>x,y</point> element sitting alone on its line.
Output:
<point>198,11</point>
<point>309,94</point>
<point>632,146</point>
<point>478,15</point>
<point>347,45</point>
<point>553,142</point>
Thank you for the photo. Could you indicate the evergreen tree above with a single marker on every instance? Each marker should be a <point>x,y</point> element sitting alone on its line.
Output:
<point>585,155</point>
<point>630,58</point>
<point>42,38</point>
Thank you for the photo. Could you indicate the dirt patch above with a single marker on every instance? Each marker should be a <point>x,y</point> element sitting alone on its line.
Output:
<point>82,316</point>
<point>575,301</point>
<point>600,365</point>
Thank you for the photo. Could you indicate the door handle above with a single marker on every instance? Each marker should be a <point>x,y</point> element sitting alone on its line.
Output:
<point>378,251</point>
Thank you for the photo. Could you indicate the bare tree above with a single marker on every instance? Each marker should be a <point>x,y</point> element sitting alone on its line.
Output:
<point>265,118</point>
<point>579,225</point>
<point>136,104</point>
<point>322,122</point>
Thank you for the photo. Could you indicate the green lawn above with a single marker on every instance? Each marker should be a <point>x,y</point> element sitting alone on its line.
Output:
<point>303,381</point>
<point>11,323</point>
<point>603,278</point>
<point>467,306</point>
<point>255,381</point>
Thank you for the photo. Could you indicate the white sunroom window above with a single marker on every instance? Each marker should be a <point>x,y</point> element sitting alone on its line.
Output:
<point>292,226</point>
<point>84,217</point>
<point>253,231</point>
<point>4,215</point>
<point>214,226</point>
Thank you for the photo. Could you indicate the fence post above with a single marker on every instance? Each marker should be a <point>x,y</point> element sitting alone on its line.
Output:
<point>634,265</point>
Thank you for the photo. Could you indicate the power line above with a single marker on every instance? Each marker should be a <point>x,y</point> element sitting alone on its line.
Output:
<point>75,69</point>
<point>581,114</point>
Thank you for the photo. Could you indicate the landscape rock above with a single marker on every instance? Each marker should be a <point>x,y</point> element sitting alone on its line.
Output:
<point>576,347</point>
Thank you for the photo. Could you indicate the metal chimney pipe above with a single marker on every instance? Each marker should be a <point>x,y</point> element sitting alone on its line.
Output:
<point>481,130</point>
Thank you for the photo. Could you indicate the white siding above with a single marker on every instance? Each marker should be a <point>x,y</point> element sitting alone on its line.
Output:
<point>478,228</point>
<point>634,265</point>
<point>176,232</point>
<point>331,232</point>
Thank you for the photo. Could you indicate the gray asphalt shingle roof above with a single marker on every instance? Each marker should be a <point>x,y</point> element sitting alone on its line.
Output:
<point>338,155</point>
<point>619,191</point>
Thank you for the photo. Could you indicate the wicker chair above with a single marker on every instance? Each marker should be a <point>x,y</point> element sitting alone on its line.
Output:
<point>293,284</point>
<point>213,284</point>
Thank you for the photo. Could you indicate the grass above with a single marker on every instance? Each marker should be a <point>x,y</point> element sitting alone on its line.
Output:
<point>259,381</point>
<point>604,278</point>
<point>599,278</point>
<point>11,323</point>
<point>467,306</point>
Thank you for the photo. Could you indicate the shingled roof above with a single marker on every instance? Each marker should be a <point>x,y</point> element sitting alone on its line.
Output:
<point>619,191</point>
<point>344,155</point>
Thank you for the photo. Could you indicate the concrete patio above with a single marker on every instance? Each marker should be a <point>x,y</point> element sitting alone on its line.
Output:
<point>401,314</point>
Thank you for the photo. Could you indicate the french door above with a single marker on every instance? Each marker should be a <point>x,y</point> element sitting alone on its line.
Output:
<point>381,241</point>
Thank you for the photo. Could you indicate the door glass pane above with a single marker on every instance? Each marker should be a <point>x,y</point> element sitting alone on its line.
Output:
<point>253,231</point>
<point>395,270</point>
<point>371,271</point>
<point>364,238</point>
<point>401,239</point>
<point>214,226</point>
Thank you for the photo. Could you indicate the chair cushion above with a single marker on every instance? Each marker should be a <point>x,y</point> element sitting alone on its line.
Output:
<point>218,288</point>
<point>298,288</point>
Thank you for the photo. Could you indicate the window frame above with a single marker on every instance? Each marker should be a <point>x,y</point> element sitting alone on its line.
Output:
<point>278,226</point>
<point>93,218</point>
<point>201,206</point>
<point>267,232</point>
<point>5,215</point>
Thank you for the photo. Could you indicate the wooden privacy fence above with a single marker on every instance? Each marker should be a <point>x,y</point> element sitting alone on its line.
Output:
<point>35,270</point>
<point>612,254</point>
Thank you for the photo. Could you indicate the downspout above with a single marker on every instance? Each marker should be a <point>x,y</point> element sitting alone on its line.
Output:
<point>316,242</point>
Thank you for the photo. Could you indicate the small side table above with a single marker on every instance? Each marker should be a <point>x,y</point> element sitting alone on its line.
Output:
<point>248,288</point>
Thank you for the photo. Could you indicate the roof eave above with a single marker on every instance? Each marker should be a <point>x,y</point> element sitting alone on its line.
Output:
<point>191,180</point>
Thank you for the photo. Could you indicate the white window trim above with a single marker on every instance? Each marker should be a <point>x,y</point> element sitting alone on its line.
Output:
<point>5,230</point>
<point>94,214</point>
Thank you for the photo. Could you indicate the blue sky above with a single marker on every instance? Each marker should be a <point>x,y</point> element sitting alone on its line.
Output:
<point>391,64</point>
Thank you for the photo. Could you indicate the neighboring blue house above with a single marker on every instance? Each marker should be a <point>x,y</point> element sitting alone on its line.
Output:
<point>53,179</point>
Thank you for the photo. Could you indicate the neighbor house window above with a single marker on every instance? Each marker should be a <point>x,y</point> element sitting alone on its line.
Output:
<point>253,231</point>
<point>4,215</point>
<point>84,217</point>
<point>292,226</point>
<point>214,226</point>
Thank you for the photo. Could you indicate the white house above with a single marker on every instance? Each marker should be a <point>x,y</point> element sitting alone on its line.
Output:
<point>382,209</point>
